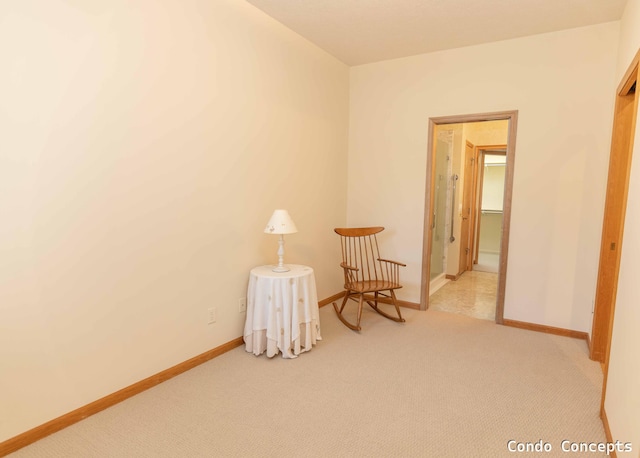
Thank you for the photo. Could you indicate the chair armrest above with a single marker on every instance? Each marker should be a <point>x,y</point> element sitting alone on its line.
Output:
<point>392,262</point>
<point>346,266</point>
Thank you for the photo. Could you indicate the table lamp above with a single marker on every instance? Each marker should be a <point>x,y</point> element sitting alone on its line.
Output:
<point>280,223</point>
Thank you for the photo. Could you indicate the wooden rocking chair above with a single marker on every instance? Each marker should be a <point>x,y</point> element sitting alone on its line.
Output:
<point>365,272</point>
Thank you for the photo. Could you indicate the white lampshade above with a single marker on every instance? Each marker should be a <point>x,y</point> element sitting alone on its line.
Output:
<point>280,223</point>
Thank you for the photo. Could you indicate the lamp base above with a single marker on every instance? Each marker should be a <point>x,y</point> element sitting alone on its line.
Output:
<point>280,269</point>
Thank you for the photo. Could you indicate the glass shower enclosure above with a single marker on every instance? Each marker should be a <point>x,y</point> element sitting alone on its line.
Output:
<point>442,190</point>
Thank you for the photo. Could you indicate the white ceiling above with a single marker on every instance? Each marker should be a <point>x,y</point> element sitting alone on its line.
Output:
<point>364,31</point>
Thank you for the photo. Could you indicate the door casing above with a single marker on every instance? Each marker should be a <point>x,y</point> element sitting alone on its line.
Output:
<point>466,224</point>
<point>624,127</point>
<point>512,117</point>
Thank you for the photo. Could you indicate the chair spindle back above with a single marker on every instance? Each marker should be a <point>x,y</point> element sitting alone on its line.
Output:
<point>360,251</point>
<point>367,277</point>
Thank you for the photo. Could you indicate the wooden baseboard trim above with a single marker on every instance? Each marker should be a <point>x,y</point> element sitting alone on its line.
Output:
<point>331,299</point>
<point>68,419</point>
<point>409,305</point>
<point>607,430</point>
<point>596,355</point>
<point>452,277</point>
<point>547,329</point>
<point>384,300</point>
<point>57,424</point>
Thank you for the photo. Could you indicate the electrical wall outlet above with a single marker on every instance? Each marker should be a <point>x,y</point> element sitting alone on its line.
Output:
<point>242,305</point>
<point>213,315</point>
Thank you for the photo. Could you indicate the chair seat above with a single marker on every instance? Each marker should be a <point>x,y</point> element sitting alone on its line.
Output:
<point>370,286</point>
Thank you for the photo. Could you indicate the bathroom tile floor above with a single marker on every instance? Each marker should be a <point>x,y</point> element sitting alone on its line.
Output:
<point>473,294</point>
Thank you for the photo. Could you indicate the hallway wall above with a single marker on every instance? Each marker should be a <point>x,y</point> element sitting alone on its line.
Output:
<point>561,84</point>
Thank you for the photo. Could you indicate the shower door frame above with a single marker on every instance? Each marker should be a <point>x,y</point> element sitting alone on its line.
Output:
<point>436,217</point>
<point>512,117</point>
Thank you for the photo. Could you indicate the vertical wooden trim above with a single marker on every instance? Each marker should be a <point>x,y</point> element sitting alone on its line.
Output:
<point>468,164</point>
<point>506,216</point>
<point>477,216</point>
<point>512,116</point>
<point>480,179</point>
<point>613,219</point>
<point>629,80</point>
<point>428,219</point>
<point>607,431</point>
<point>624,123</point>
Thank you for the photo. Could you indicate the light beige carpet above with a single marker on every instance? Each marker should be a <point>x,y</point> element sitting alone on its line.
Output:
<point>439,385</point>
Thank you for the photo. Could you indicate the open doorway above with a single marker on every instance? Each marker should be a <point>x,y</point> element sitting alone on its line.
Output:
<point>457,192</point>
<point>488,210</point>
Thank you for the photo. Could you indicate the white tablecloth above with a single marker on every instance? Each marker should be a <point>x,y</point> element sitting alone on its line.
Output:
<point>282,311</point>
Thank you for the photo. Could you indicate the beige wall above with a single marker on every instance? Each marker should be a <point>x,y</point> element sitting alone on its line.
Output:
<point>493,187</point>
<point>490,226</point>
<point>561,83</point>
<point>492,199</point>
<point>144,146</point>
<point>622,402</point>
<point>629,37</point>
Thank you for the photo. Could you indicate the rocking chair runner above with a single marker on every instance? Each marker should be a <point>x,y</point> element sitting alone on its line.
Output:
<point>365,272</point>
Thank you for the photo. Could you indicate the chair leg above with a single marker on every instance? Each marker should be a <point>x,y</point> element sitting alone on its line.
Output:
<point>360,310</point>
<point>342,318</point>
<point>344,301</point>
<point>395,302</point>
<point>374,306</point>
